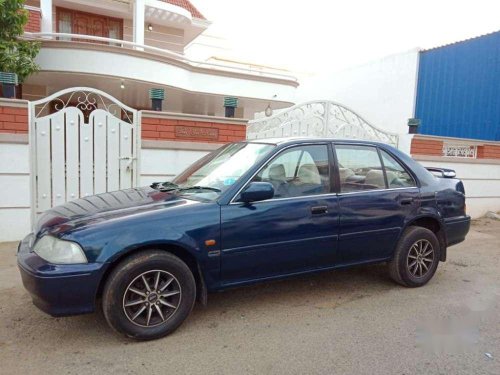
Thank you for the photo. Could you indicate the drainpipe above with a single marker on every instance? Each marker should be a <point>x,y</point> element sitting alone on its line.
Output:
<point>46,10</point>
<point>230,104</point>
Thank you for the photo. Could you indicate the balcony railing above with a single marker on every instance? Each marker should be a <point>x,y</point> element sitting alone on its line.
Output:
<point>126,45</point>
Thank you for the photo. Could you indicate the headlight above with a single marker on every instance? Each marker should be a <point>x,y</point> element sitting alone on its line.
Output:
<point>58,251</point>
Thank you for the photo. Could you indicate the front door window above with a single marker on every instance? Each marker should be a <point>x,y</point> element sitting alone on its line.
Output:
<point>114,29</point>
<point>64,23</point>
<point>298,171</point>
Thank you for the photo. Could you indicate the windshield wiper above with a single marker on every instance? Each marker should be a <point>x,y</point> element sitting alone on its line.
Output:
<point>201,188</point>
<point>170,186</point>
<point>164,186</point>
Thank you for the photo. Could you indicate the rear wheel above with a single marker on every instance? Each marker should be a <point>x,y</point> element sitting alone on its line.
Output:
<point>149,295</point>
<point>416,257</point>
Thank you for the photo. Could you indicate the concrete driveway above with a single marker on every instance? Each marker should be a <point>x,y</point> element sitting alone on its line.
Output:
<point>353,321</point>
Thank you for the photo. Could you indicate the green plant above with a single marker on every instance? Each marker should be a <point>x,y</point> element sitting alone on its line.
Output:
<point>16,55</point>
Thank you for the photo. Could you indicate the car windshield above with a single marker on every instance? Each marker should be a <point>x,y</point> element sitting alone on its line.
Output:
<point>216,172</point>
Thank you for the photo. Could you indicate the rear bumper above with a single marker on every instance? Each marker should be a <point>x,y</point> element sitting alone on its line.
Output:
<point>58,290</point>
<point>456,229</point>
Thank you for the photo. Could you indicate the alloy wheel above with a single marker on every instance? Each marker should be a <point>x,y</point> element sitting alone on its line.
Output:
<point>152,298</point>
<point>420,258</point>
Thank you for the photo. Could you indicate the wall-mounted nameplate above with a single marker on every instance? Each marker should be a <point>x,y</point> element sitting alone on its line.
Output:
<point>195,132</point>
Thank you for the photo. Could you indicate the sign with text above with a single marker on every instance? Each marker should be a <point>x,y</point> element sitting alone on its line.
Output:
<point>460,151</point>
<point>196,132</point>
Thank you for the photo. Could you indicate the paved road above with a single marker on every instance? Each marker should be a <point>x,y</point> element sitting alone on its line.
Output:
<point>354,322</point>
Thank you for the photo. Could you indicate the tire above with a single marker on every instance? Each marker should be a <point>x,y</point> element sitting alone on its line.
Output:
<point>166,301</point>
<point>407,267</point>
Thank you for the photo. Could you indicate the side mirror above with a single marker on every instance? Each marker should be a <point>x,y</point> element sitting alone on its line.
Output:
<point>257,191</point>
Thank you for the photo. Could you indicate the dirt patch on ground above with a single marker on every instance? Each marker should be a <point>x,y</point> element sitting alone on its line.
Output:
<point>350,321</point>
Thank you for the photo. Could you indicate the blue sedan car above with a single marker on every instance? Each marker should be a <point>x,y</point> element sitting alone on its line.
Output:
<point>248,212</point>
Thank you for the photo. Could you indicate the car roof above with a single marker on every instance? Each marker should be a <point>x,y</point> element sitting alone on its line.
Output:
<point>297,140</point>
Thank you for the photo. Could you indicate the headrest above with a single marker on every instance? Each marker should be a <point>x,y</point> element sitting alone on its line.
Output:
<point>277,172</point>
<point>309,174</point>
<point>345,173</point>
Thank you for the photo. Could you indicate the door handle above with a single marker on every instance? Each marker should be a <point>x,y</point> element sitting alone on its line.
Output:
<point>406,201</point>
<point>317,210</point>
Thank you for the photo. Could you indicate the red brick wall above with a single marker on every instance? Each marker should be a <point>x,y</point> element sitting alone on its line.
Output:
<point>488,152</point>
<point>421,146</point>
<point>170,130</point>
<point>33,25</point>
<point>13,120</point>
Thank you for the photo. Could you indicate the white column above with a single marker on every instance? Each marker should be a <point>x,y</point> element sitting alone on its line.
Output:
<point>139,9</point>
<point>46,8</point>
<point>404,142</point>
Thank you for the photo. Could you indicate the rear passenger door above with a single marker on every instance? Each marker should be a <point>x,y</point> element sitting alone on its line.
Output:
<point>376,196</point>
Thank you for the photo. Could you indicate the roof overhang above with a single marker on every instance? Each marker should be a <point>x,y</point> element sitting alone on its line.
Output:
<point>166,14</point>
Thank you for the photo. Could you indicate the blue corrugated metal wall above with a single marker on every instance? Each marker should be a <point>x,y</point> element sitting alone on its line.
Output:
<point>458,93</point>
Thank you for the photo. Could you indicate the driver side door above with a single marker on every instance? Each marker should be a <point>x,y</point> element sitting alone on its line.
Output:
<point>293,232</point>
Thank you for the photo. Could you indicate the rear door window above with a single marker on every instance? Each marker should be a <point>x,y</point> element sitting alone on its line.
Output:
<point>360,168</point>
<point>396,175</point>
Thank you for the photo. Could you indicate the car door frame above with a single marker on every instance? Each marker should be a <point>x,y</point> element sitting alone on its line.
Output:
<point>331,194</point>
<point>378,148</point>
<point>332,170</point>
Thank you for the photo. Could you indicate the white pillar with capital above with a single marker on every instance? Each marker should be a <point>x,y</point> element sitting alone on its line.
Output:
<point>46,9</point>
<point>139,9</point>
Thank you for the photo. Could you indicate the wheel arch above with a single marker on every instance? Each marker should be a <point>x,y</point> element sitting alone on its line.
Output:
<point>175,249</point>
<point>435,225</point>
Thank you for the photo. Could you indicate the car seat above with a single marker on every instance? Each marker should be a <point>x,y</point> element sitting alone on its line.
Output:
<point>345,173</point>
<point>308,181</point>
<point>277,177</point>
<point>375,177</point>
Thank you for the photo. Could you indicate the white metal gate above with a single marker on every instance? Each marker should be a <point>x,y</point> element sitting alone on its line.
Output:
<point>318,119</point>
<point>82,142</point>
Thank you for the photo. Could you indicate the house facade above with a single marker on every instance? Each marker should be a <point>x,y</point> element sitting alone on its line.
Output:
<point>126,47</point>
<point>85,123</point>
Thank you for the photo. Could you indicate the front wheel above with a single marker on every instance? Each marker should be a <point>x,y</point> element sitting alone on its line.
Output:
<point>416,257</point>
<point>149,295</point>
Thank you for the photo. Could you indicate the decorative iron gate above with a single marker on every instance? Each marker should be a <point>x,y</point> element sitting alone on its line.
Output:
<point>318,119</point>
<point>82,142</point>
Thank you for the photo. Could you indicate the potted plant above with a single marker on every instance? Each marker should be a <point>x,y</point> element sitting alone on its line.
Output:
<point>16,55</point>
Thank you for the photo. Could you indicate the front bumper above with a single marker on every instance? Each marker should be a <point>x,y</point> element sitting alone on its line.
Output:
<point>456,229</point>
<point>58,289</point>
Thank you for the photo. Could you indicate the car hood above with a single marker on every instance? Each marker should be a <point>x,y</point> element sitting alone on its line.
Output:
<point>101,207</point>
